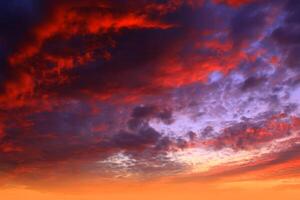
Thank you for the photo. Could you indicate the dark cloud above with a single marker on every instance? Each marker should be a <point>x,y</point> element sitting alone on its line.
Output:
<point>16,20</point>
<point>250,135</point>
<point>142,114</point>
<point>49,138</point>
<point>248,24</point>
<point>207,131</point>
<point>72,54</point>
<point>287,34</point>
<point>253,82</point>
<point>140,140</point>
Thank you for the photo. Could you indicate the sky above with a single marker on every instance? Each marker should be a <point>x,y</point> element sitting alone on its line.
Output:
<point>161,99</point>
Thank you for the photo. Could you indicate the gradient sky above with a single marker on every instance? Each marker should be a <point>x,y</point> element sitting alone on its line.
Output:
<point>137,99</point>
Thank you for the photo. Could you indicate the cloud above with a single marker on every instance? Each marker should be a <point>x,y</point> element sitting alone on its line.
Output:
<point>234,2</point>
<point>99,49</point>
<point>52,138</point>
<point>142,114</point>
<point>287,34</point>
<point>248,24</point>
<point>65,36</point>
<point>252,82</point>
<point>145,137</point>
<point>250,135</point>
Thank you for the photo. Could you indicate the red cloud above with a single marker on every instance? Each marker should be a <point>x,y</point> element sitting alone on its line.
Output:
<point>234,2</point>
<point>246,135</point>
<point>65,22</point>
<point>56,60</point>
<point>17,91</point>
<point>70,19</point>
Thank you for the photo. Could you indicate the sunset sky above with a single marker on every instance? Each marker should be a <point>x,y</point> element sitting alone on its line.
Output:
<point>149,100</point>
